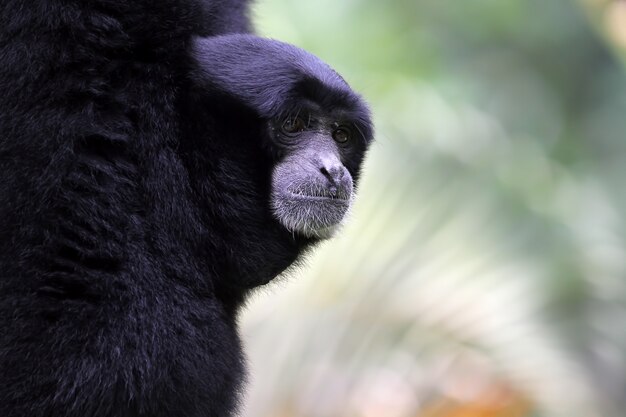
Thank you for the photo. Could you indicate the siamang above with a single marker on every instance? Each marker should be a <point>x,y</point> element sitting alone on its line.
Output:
<point>156,167</point>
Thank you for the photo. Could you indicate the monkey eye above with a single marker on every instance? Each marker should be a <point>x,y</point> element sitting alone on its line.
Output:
<point>293,125</point>
<point>341,135</point>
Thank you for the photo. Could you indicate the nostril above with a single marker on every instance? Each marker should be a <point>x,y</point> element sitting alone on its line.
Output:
<point>327,173</point>
<point>332,169</point>
<point>334,174</point>
<point>338,181</point>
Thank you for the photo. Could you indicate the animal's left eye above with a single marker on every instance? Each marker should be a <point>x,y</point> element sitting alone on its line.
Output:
<point>341,135</point>
<point>293,125</point>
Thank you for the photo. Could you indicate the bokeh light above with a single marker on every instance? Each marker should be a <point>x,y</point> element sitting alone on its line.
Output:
<point>483,272</point>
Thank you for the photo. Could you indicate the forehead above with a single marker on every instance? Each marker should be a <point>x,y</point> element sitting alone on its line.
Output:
<point>326,111</point>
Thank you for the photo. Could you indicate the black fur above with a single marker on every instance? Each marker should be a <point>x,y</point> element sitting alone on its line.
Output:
<point>134,211</point>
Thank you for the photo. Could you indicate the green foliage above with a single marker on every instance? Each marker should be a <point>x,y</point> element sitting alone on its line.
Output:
<point>488,242</point>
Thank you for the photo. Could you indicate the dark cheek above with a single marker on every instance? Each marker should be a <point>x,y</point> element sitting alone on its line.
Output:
<point>284,148</point>
<point>278,155</point>
<point>354,172</point>
<point>352,161</point>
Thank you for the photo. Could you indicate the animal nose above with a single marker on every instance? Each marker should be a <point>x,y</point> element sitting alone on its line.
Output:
<point>334,171</point>
<point>334,174</point>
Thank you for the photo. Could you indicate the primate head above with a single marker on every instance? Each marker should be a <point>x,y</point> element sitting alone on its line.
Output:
<point>318,129</point>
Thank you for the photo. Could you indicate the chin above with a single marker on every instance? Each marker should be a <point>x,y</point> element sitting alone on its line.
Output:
<point>310,216</point>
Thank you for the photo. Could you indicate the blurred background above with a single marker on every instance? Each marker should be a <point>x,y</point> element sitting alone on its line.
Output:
<point>483,272</point>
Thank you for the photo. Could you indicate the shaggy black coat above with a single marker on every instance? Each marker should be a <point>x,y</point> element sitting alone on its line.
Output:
<point>134,212</point>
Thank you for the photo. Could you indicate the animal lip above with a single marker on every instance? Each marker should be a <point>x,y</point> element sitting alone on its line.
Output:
<point>316,196</point>
<point>319,191</point>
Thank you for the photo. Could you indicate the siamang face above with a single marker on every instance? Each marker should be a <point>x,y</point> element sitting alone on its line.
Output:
<point>319,159</point>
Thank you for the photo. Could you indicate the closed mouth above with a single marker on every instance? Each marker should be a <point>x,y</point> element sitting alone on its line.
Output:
<point>325,197</point>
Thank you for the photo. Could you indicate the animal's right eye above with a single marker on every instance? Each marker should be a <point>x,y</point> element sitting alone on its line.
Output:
<point>293,125</point>
<point>341,135</point>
